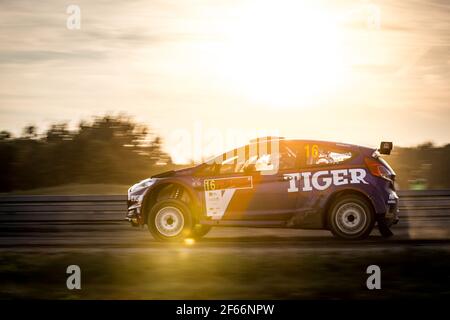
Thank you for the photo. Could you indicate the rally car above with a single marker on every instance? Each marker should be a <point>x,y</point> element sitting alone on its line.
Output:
<point>272,182</point>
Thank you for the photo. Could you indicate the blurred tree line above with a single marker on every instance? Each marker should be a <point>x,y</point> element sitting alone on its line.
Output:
<point>108,149</point>
<point>117,150</point>
<point>423,167</point>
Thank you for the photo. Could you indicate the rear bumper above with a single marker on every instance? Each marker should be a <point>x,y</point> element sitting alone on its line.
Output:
<point>392,215</point>
<point>392,211</point>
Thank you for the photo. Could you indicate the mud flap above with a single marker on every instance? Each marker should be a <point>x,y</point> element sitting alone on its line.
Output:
<point>383,228</point>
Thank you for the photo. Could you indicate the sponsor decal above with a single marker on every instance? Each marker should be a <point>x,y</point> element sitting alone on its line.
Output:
<point>136,198</point>
<point>219,192</point>
<point>322,180</point>
<point>196,182</point>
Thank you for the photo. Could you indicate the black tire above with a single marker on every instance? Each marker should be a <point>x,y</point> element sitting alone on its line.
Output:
<point>158,220</point>
<point>200,230</point>
<point>351,217</point>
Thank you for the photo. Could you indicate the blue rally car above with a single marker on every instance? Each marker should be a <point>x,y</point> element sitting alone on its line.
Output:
<point>272,182</point>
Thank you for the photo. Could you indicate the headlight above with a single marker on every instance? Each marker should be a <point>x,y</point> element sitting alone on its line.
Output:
<point>143,184</point>
<point>146,183</point>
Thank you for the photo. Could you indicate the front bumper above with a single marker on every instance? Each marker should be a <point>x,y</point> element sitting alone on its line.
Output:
<point>134,203</point>
<point>135,199</point>
<point>134,217</point>
<point>392,215</point>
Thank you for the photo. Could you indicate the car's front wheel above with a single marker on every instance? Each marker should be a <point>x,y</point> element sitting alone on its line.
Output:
<point>170,220</point>
<point>351,217</point>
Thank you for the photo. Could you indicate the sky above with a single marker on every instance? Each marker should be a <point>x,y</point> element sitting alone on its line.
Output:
<point>203,74</point>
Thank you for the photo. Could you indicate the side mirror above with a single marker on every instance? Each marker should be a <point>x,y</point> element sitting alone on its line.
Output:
<point>386,147</point>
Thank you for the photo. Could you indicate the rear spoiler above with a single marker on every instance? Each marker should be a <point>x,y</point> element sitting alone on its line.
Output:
<point>385,147</point>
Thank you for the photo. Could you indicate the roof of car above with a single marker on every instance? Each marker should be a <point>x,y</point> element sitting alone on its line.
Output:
<point>340,144</point>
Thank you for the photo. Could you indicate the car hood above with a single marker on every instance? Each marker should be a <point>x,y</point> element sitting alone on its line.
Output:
<point>172,173</point>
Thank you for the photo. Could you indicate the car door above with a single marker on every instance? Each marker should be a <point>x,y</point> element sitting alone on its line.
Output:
<point>252,187</point>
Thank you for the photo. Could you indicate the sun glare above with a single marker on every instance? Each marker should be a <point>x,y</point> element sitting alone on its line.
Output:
<point>189,241</point>
<point>282,53</point>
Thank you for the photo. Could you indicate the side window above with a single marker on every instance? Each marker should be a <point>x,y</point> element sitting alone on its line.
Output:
<point>288,158</point>
<point>240,161</point>
<point>263,162</point>
<point>228,165</point>
<point>285,159</point>
<point>323,155</point>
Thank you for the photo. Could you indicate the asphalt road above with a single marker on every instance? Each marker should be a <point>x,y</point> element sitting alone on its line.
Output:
<point>121,262</point>
<point>115,235</point>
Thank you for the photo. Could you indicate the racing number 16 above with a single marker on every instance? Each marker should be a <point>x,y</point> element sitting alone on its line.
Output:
<point>210,185</point>
<point>313,151</point>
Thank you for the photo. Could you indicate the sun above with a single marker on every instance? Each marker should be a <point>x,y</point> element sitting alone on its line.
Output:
<point>282,53</point>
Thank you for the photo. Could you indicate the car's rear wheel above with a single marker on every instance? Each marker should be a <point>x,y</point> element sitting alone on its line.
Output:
<point>170,220</point>
<point>351,217</point>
